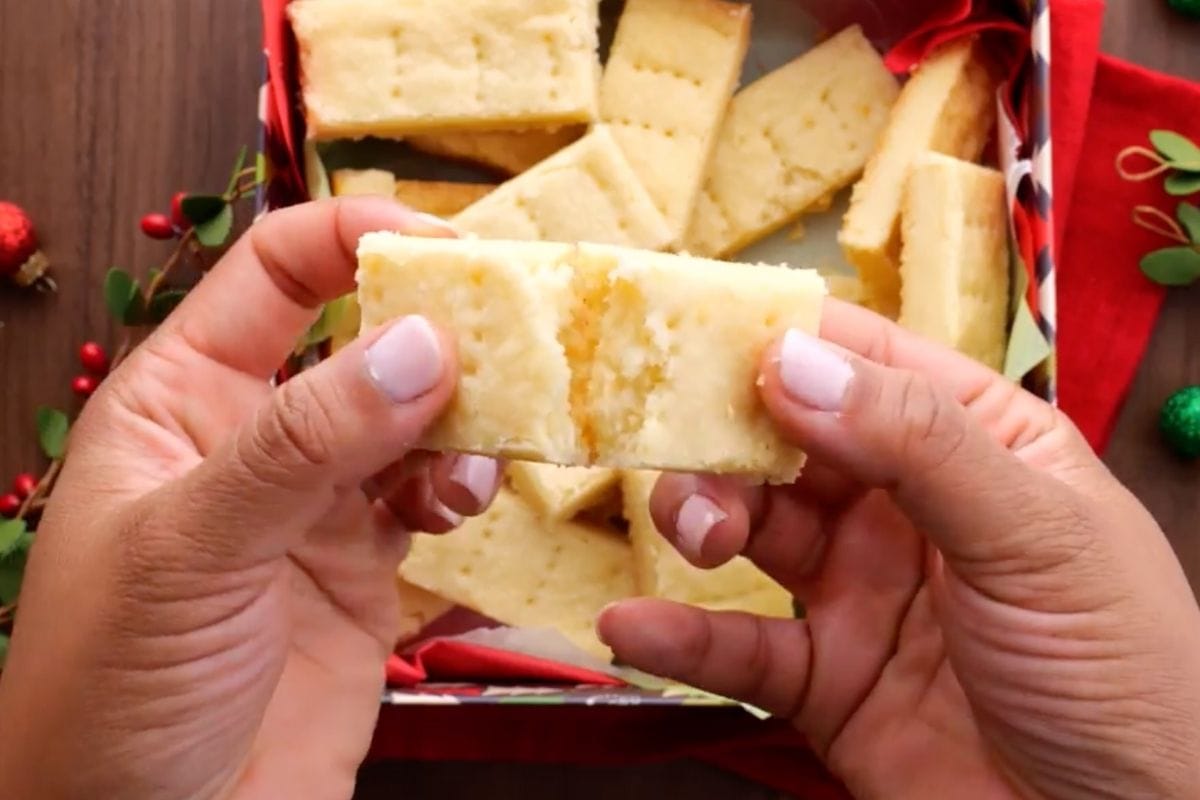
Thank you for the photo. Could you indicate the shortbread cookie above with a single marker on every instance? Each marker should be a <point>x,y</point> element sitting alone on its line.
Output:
<point>511,566</point>
<point>559,493</point>
<point>790,139</point>
<point>507,152</point>
<point>591,355</point>
<point>395,67</point>
<point>948,106</point>
<point>586,192</point>
<point>673,67</point>
<point>418,608</point>
<point>954,263</point>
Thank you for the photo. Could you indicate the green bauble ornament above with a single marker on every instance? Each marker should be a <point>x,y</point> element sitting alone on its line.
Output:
<point>1180,422</point>
<point>1189,7</point>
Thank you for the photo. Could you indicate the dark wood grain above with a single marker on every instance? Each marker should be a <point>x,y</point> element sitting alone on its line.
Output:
<point>107,108</point>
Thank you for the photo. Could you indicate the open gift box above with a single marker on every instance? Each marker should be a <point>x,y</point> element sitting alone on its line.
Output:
<point>460,665</point>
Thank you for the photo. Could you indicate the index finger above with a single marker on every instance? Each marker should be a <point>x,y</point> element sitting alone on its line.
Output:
<point>254,305</point>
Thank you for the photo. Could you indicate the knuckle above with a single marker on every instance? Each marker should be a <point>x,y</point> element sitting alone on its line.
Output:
<point>296,430</point>
<point>759,660</point>
<point>931,423</point>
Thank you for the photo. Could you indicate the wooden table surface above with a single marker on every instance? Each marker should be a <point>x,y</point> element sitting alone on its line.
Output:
<point>107,108</point>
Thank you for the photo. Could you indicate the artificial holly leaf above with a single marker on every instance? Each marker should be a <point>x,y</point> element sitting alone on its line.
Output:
<point>53,427</point>
<point>260,168</point>
<point>1189,217</point>
<point>11,531</point>
<point>1183,184</point>
<point>12,570</point>
<point>202,208</point>
<point>123,297</point>
<point>1172,266</point>
<point>215,232</point>
<point>164,303</point>
<point>1179,150</point>
<point>238,166</point>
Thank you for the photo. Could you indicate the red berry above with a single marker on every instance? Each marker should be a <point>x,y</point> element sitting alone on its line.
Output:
<point>84,385</point>
<point>177,216</point>
<point>24,484</point>
<point>93,358</point>
<point>158,226</point>
<point>10,504</point>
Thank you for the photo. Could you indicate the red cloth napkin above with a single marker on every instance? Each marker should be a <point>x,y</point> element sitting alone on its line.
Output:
<point>1107,308</point>
<point>1106,312</point>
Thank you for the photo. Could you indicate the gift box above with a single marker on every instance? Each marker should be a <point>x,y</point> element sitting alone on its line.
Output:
<point>476,677</point>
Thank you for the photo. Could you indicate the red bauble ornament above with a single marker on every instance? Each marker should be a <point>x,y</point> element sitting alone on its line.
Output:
<point>10,504</point>
<point>158,226</point>
<point>93,358</point>
<point>84,385</point>
<point>177,216</point>
<point>20,258</point>
<point>24,484</point>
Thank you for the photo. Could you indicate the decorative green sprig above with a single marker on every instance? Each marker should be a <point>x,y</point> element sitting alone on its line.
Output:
<point>1173,155</point>
<point>1178,265</point>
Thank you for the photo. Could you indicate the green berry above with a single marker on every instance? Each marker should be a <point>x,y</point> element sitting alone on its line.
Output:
<point>1180,422</point>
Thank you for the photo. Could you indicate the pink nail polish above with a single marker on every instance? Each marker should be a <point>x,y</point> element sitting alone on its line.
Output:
<point>812,373</point>
<point>694,521</point>
<point>476,474</point>
<point>406,362</point>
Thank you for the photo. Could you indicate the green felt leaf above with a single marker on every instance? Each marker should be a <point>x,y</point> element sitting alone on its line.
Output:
<point>12,571</point>
<point>1183,184</point>
<point>52,427</point>
<point>260,168</point>
<point>1181,151</point>
<point>123,297</point>
<point>1172,266</point>
<point>1189,217</point>
<point>238,166</point>
<point>215,232</point>
<point>3,649</point>
<point>1027,347</point>
<point>202,208</point>
<point>11,531</point>
<point>164,303</point>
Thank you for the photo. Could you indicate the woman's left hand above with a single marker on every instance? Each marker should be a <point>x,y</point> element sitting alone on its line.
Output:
<point>211,596</point>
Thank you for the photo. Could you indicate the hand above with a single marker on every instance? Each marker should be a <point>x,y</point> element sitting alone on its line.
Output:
<point>211,596</point>
<point>989,613</point>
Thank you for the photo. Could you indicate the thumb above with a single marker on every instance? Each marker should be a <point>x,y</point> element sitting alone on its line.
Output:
<point>317,437</point>
<point>985,510</point>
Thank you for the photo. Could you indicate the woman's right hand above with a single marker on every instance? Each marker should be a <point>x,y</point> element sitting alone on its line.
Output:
<point>989,613</point>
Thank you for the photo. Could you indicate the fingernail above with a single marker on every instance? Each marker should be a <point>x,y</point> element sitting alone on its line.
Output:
<point>812,373</point>
<point>695,520</point>
<point>449,516</point>
<point>476,474</point>
<point>433,222</point>
<point>406,362</point>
